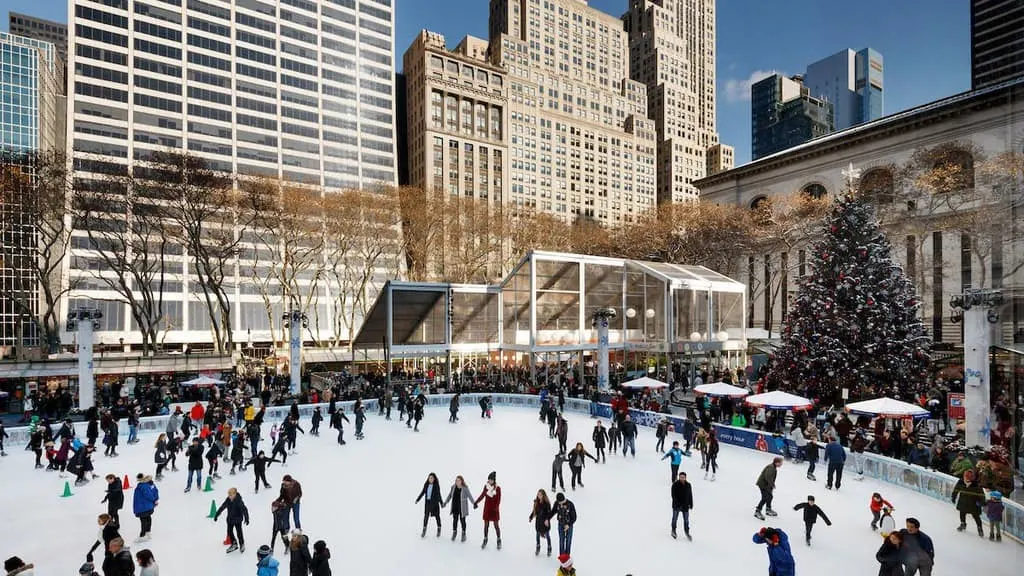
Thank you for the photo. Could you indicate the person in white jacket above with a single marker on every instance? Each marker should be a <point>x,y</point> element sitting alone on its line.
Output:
<point>798,438</point>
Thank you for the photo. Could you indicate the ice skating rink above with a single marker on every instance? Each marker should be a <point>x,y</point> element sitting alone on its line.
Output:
<point>360,499</point>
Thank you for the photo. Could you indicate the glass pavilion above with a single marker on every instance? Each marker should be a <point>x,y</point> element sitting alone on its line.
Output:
<point>541,316</point>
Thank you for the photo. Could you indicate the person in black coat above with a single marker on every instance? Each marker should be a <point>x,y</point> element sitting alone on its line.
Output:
<point>417,411</point>
<point>431,496</point>
<point>453,409</point>
<point>541,516</point>
<point>552,421</point>
<point>259,464</point>
<point>338,423</point>
<point>238,451</point>
<point>600,437</point>
<point>237,513</point>
<point>811,513</point>
<point>971,499</point>
<point>119,561</point>
<point>298,550</point>
<point>318,417</point>
<point>108,531</point>
<point>195,464</point>
<point>114,498</point>
<point>682,503</point>
<point>556,471</point>
<point>92,429</point>
<point>320,565</point>
<point>888,556</point>
<point>213,455</point>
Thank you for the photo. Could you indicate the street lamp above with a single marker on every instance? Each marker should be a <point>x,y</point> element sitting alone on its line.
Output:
<point>85,321</point>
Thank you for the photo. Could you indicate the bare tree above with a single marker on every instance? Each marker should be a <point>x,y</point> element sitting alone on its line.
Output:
<point>35,191</point>
<point>128,235</point>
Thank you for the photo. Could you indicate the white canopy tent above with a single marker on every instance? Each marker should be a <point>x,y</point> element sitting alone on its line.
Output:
<point>644,382</point>
<point>721,389</point>
<point>779,400</point>
<point>887,408</point>
<point>202,381</point>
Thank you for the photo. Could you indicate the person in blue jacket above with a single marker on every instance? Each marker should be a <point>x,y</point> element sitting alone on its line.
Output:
<point>780,558</point>
<point>835,457</point>
<point>144,501</point>
<point>266,564</point>
<point>676,455</point>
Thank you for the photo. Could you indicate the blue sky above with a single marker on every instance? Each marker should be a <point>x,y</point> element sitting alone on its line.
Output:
<point>925,43</point>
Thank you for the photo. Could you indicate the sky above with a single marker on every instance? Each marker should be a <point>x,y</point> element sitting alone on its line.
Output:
<point>925,43</point>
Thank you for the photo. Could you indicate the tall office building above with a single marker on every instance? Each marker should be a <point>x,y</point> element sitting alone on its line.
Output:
<point>784,114</point>
<point>457,113</point>
<point>32,120</point>
<point>301,90</point>
<point>997,43</point>
<point>55,33</point>
<point>852,82</point>
<point>672,52</point>
<point>581,145</point>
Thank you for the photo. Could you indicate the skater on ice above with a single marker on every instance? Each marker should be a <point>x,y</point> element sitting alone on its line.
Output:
<point>299,556</point>
<point>600,438</point>
<point>266,564</point>
<point>147,563</point>
<point>461,499</point>
<point>969,498</point>
<point>577,461</point>
<point>994,513</point>
<point>114,498</point>
<point>811,514</point>
<point>676,455</point>
<point>876,505</point>
<point>195,465</point>
<point>712,456</point>
<point>682,503</point>
<point>431,496</point>
<point>565,510</point>
<point>565,566</point>
<point>918,550</point>
<point>766,484</point>
<point>145,498</point>
<point>237,513</point>
<point>835,458</point>
<point>491,496</point>
<point>890,555</point>
<point>293,489</point>
<point>780,558</point>
<point>320,564</point>
<point>541,515</point>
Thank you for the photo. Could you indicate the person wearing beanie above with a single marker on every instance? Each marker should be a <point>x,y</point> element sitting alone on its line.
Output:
<point>766,484</point>
<point>491,495</point>
<point>565,510</point>
<point>780,558</point>
<point>994,512</point>
<point>320,565</point>
<point>565,566</point>
<point>88,569</point>
<point>971,498</point>
<point>266,564</point>
<point>15,566</point>
<point>811,513</point>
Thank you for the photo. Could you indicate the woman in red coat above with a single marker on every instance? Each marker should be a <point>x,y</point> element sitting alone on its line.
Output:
<point>491,495</point>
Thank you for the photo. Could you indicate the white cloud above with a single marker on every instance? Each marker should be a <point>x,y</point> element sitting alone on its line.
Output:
<point>738,89</point>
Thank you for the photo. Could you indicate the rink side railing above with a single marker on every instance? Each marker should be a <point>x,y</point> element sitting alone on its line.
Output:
<point>927,482</point>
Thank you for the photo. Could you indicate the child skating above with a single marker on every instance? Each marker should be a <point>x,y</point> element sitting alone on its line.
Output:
<point>237,513</point>
<point>876,505</point>
<point>994,512</point>
<point>780,557</point>
<point>811,514</point>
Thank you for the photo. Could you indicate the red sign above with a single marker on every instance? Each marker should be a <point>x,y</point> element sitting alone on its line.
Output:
<point>956,405</point>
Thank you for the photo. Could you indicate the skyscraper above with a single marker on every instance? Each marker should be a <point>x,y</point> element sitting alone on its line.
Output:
<point>784,114</point>
<point>852,82</point>
<point>997,43</point>
<point>672,52</point>
<point>55,33</point>
<point>32,121</point>
<point>581,144</point>
<point>301,90</point>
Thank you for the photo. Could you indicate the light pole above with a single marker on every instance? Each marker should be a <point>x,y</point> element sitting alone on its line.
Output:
<point>85,321</point>
<point>600,320</point>
<point>978,309</point>
<point>295,321</point>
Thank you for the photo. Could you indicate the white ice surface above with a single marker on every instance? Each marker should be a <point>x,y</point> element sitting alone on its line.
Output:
<point>359,498</point>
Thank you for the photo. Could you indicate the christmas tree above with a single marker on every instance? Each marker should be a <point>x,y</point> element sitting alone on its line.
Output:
<point>854,321</point>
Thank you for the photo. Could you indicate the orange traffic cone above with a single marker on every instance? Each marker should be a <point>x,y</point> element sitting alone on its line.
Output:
<point>126,485</point>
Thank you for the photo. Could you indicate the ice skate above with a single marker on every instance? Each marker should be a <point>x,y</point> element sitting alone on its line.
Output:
<point>423,533</point>
<point>992,537</point>
<point>484,544</point>
<point>498,545</point>
<point>438,532</point>
<point>712,477</point>
<point>549,549</point>
<point>231,473</point>
<point>673,534</point>
<point>770,512</point>
<point>758,515</point>
<point>961,527</point>
<point>981,531</point>
<point>808,539</point>
<point>705,474</point>
<point>241,548</point>
<point>142,539</point>
<point>454,534</point>
<point>812,478</point>
<point>463,536</point>
<point>231,548</point>
<point>874,526</point>
<point>999,537</point>
<point>265,485</point>
<point>189,489</point>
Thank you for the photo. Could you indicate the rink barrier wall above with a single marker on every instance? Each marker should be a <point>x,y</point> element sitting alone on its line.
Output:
<point>889,470</point>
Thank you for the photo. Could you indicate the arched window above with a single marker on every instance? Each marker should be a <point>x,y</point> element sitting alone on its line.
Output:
<point>814,190</point>
<point>877,186</point>
<point>758,203</point>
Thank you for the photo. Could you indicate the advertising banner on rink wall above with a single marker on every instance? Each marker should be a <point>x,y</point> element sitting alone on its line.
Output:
<point>927,482</point>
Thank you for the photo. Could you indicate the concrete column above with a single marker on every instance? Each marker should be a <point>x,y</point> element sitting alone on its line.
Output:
<point>295,353</point>
<point>977,385</point>
<point>601,322</point>
<point>86,381</point>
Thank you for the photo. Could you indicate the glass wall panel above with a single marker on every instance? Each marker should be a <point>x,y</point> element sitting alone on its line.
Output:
<point>727,312</point>
<point>516,307</point>
<point>475,318</point>
<point>603,286</point>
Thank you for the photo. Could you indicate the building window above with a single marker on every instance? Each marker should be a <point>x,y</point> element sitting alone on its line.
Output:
<point>815,191</point>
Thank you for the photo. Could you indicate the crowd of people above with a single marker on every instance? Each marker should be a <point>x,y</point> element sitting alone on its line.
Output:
<point>230,427</point>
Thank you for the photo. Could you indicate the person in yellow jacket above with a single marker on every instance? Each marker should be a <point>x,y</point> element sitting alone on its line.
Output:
<point>250,413</point>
